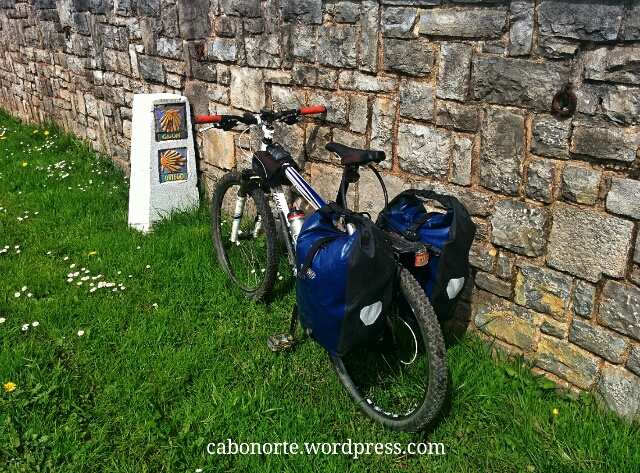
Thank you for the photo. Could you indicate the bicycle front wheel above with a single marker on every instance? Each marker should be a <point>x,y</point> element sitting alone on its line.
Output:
<point>252,258</point>
<point>400,382</point>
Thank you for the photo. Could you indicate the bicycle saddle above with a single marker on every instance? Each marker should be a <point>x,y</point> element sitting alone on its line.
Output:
<point>361,157</point>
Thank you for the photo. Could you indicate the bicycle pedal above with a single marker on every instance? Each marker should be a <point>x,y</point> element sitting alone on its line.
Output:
<point>279,342</point>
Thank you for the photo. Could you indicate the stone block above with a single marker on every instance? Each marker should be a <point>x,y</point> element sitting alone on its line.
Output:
<point>636,255</point>
<point>502,150</point>
<point>592,20</point>
<point>223,73</point>
<point>119,61</point>
<point>519,227</point>
<point>218,93</point>
<point>461,160</point>
<point>151,68</point>
<point>358,112</point>
<point>635,275</point>
<point>398,22</point>
<point>222,49</point>
<point>624,197</point>
<point>226,26</point>
<point>580,184</point>
<point>633,362</point>
<point>326,180</point>
<point>218,149</point>
<point>583,299</point>
<point>349,139</point>
<point>632,22</point>
<point>460,117</point>
<point>286,98</point>
<point>113,37</point>
<point>336,107</point>
<point>169,47</point>
<point>370,193</point>
<point>597,341</point>
<point>620,391</point>
<point>542,290</point>
<point>622,105</point>
<point>550,136</point>
<point>365,83</point>
<point>302,11</point>
<point>408,57</point>
<point>304,46</point>
<point>247,89</point>
<point>490,283</point>
<point>423,150</point>
<point>416,100</point>
<point>506,321</point>
<point>552,328</point>
<point>205,71</point>
<point>517,82</point>
<point>454,71</point>
<point>483,23</point>
<point>194,19</point>
<point>242,8</point>
<point>254,25</point>
<point>613,64</point>
<point>412,3</point>
<point>504,266</point>
<point>580,237</point>
<point>277,77</point>
<point>317,139</point>
<point>608,143</point>
<point>554,48</point>
<point>312,76</point>
<point>482,257</point>
<point>337,46</point>
<point>383,120</point>
<point>477,203</point>
<point>567,362</point>
<point>292,138</point>
<point>540,180</point>
<point>620,308</point>
<point>263,51</point>
<point>368,60</point>
<point>521,27</point>
<point>347,11</point>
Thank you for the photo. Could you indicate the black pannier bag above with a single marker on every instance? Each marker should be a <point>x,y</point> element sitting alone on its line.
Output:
<point>449,236</point>
<point>344,282</point>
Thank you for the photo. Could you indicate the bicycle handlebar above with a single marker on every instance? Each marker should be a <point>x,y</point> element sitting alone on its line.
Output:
<point>265,116</point>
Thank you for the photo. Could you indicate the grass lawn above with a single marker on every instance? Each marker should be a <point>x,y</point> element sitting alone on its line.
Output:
<point>135,353</point>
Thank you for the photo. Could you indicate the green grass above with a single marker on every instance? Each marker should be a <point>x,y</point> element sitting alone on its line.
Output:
<point>178,359</point>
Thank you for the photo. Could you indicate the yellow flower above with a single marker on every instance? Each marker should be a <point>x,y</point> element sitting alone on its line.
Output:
<point>24,165</point>
<point>91,253</point>
<point>3,137</point>
<point>556,412</point>
<point>46,132</point>
<point>10,386</point>
<point>35,131</point>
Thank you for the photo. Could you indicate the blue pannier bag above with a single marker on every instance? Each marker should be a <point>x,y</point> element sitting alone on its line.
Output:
<point>448,235</point>
<point>344,282</point>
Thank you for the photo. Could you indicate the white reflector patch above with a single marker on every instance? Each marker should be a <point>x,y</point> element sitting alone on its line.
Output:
<point>369,314</point>
<point>454,287</point>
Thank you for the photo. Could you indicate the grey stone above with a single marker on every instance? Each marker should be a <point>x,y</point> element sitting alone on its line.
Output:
<point>540,180</point>
<point>604,143</point>
<point>303,11</point>
<point>398,22</point>
<point>517,82</point>
<point>554,48</point>
<point>492,284</point>
<point>253,25</point>
<point>383,119</point>
<point>620,391</point>
<point>347,11</point>
<point>620,308</point>
<point>287,98</point>
<point>292,138</point>
<point>580,185</point>
<point>461,160</point>
<point>416,100</point>
<point>145,7</point>
<point>624,197</point>
<point>454,71</point>
<point>633,362</point>
<point>370,196</point>
<point>226,26</point>
<point>317,139</point>
<point>312,76</point>
<point>487,23</point>
<point>337,46</point>
<point>242,8</point>
<point>218,93</point>
<point>552,328</point>
<point>504,266</point>
<point>477,203</point>
<point>247,89</point>
<point>550,136</point>
<point>615,64</point>
<point>567,362</point>
<point>635,275</point>
<point>222,50</point>
<point>608,346</point>
<point>482,257</point>
<point>632,22</point>
<point>502,150</point>
<point>636,255</point>
<point>423,150</point>
<point>577,235</point>
<point>506,321</point>
<point>114,37</point>
<point>519,227</point>
<point>589,98</point>
<point>358,113</point>
<point>583,299</point>
<point>194,19</point>
<point>542,290</point>
<point>482,230</point>
<point>365,83</point>
<point>368,60</point>
<point>521,31</point>
<point>594,20</point>
<point>408,57</point>
<point>119,61</point>
<point>277,77</point>
<point>151,68</point>
<point>460,117</point>
<point>349,139</point>
<point>263,51</point>
<point>622,105</point>
<point>304,46</point>
<point>169,47</point>
<point>412,3</point>
<point>493,47</point>
<point>336,107</point>
<point>223,73</point>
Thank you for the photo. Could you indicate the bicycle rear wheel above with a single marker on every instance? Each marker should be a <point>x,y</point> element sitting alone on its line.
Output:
<point>401,382</point>
<point>252,259</point>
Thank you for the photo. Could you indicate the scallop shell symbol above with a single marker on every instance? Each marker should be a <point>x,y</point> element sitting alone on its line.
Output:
<point>172,161</point>
<point>171,121</point>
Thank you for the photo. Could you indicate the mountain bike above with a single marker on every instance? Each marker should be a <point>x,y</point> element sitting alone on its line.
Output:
<point>401,381</point>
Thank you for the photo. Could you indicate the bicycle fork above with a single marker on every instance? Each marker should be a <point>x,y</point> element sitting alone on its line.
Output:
<point>239,211</point>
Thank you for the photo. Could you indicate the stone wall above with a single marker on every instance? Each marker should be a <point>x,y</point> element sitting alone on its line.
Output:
<point>458,94</point>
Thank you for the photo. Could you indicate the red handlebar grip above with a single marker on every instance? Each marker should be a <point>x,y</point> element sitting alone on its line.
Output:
<point>208,119</point>
<point>310,110</point>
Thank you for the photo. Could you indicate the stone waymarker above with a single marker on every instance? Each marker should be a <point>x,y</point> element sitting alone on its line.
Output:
<point>163,167</point>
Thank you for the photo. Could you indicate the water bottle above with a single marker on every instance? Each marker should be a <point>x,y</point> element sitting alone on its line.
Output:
<point>296,219</point>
